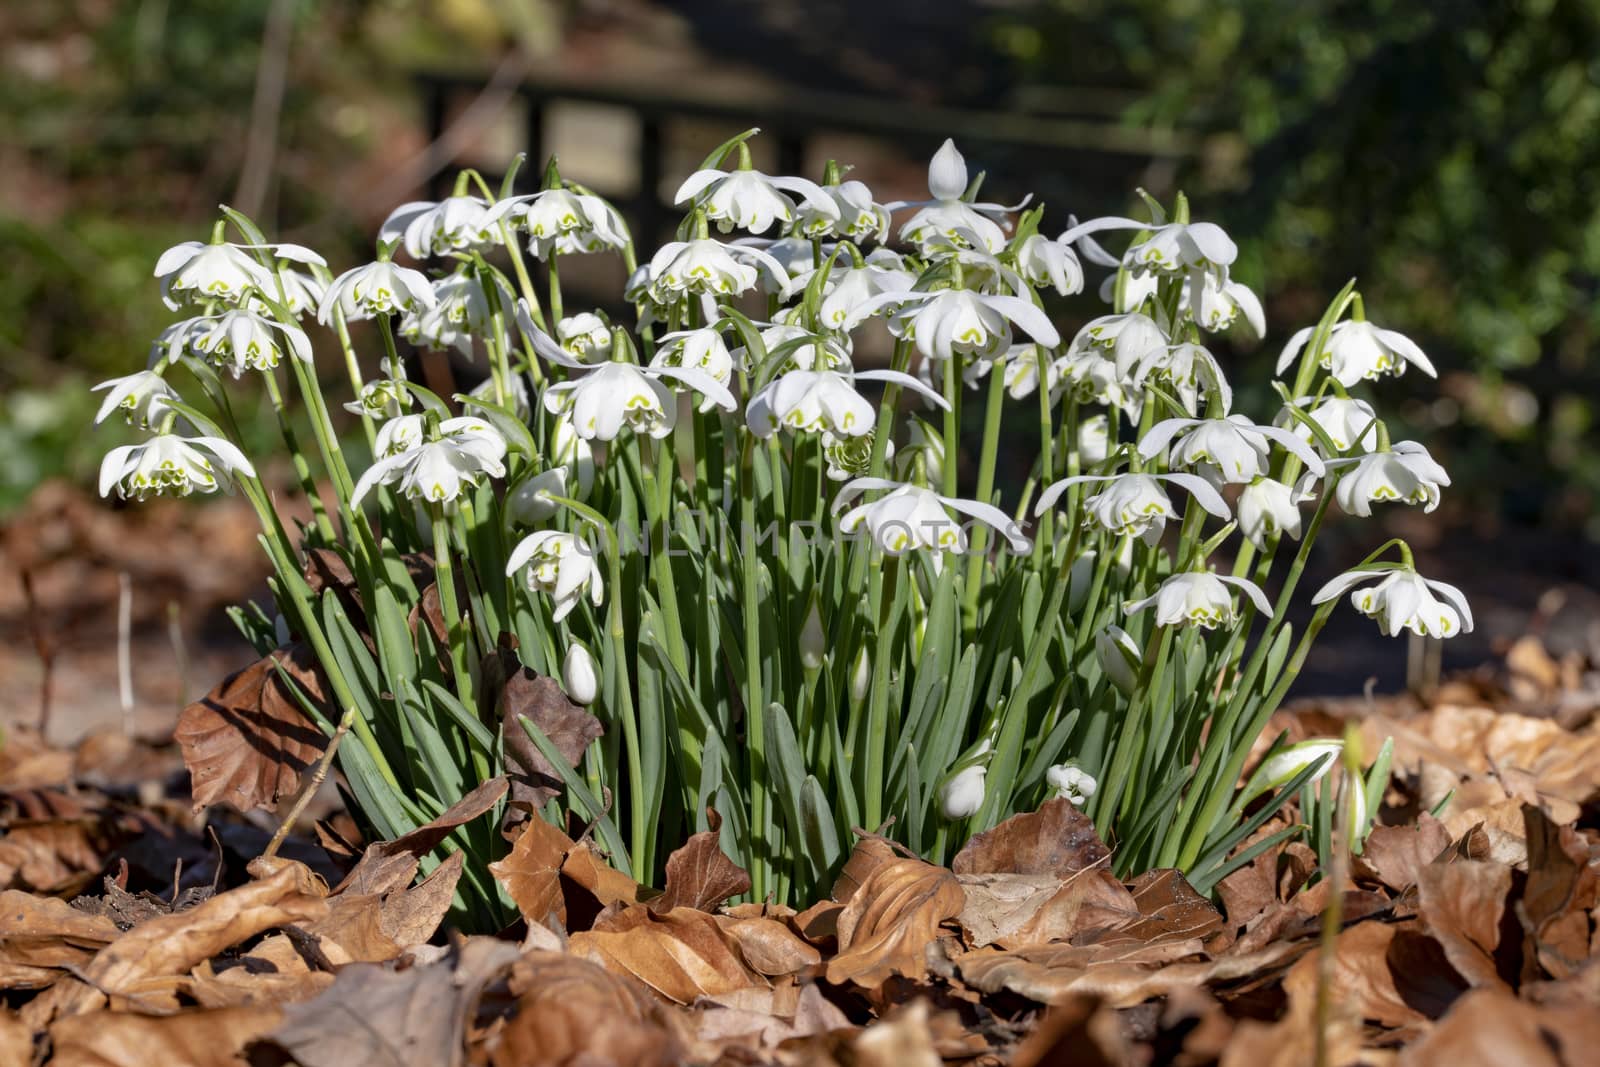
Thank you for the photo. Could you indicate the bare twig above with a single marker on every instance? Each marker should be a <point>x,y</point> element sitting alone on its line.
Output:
<point>261,141</point>
<point>43,647</point>
<point>312,786</point>
<point>180,651</point>
<point>125,648</point>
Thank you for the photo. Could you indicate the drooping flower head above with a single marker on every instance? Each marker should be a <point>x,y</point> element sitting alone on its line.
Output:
<point>169,465</point>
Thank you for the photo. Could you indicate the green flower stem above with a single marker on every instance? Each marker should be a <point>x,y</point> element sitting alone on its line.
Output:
<point>980,536</point>
<point>455,630</point>
<point>1044,535</point>
<point>1108,799</point>
<point>952,424</point>
<point>302,469</point>
<point>878,700</point>
<point>322,430</point>
<point>754,700</point>
<point>555,285</point>
<point>353,369</point>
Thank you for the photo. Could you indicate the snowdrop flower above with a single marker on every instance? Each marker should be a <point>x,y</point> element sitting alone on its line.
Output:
<point>1071,783</point>
<point>576,455</point>
<point>1403,600</point>
<point>1020,368</point>
<point>962,795</point>
<point>169,465</point>
<point>1094,440</point>
<point>801,349</point>
<point>950,321</point>
<point>913,517</point>
<point>826,400</point>
<point>141,397</point>
<point>1044,262</point>
<point>301,293</point>
<point>1358,350</point>
<point>1094,379</point>
<point>1215,303</point>
<point>239,340</point>
<point>1199,598</point>
<point>529,503</point>
<point>1119,658</point>
<point>1134,504</point>
<point>454,224</point>
<point>578,675</point>
<point>1191,370</point>
<point>858,216</point>
<point>750,199</point>
<point>1346,422</point>
<point>1281,767</point>
<point>465,451</point>
<point>398,435</point>
<point>710,268</point>
<point>562,221</point>
<point>1174,247</point>
<point>1267,509</point>
<point>1404,473</point>
<point>851,457</point>
<point>562,566</point>
<point>1229,450</point>
<point>947,221</point>
<point>849,289</point>
<point>460,311</point>
<point>924,444</point>
<point>584,334</point>
<point>381,398</point>
<point>1129,339</point>
<point>813,641</point>
<point>606,397</point>
<point>225,272</point>
<point>702,349</point>
<point>379,288</point>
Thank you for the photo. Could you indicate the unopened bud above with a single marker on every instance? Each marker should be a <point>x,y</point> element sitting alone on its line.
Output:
<point>578,675</point>
<point>861,676</point>
<point>813,642</point>
<point>1119,657</point>
<point>962,795</point>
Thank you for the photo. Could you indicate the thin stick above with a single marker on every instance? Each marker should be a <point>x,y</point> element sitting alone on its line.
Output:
<point>317,778</point>
<point>180,651</point>
<point>125,648</point>
<point>43,648</point>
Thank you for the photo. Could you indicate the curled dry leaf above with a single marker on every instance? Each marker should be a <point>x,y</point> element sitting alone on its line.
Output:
<point>410,916</point>
<point>519,692</point>
<point>56,856</point>
<point>43,935</point>
<point>1394,856</point>
<point>1393,975</point>
<point>203,1038</point>
<point>570,1010</point>
<point>1492,1028</point>
<point>1562,889</point>
<point>1464,907</point>
<point>768,946</point>
<point>247,741</point>
<point>390,865</point>
<point>681,954</point>
<point>699,875</point>
<point>889,921</point>
<point>549,877</point>
<point>399,1018</point>
<point>1057,840</point>
<point>760,1019</point>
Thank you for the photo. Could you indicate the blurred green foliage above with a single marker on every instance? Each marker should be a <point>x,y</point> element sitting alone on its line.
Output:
<point>1446,152</point>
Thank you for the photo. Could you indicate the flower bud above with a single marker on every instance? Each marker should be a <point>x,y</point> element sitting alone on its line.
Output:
<point>1119,658</point>
<point>1094,440</point>
<point>573,452</point>
<point>861,676</point>
<point>962,795</point>
<point>578,676</point>
<point>1079,579</point>
<point>1286,763</point>
<point>1071,783</point>
<point>813,642</point>
<point>530,503</point>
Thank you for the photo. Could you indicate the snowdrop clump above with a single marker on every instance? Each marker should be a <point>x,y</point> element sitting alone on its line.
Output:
<point>781,595</point>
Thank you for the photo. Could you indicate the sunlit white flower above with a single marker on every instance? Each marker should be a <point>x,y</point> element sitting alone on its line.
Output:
<point>563,566</point>
<point>604,398</point>
<point>301,293</point>
<point>1044,262</point>
<point>750,199</point>
<point>169,465</point>
<point>1094,379</point>
<point>851,457</point>
<point>822,400</point>
<point>562,221</point>
<point>585,335</point>
<point>1020,368</point>
<point>1119,657</point>
<point>800,348</point>
<point>702,349</point>
<point>381,398</point>
<point>1402,599</point>
<point>1071,783</point>
<point>1174,247</point>
<point>226,272</point>
<point>1281,767</point>
<point>461,310</point>
<point>530,502</point>
<point>400,434</point>
<point>924,447</point>
<point>379,288</point>
<point>239,340</point>
<point>1358,350</point>
<point>1199,598</point>
<point>857,216</point>
<point>850,288</point>
<point>1268,509</point>
<point>711,268</point>
<point>910,517</point>
<point>1233,449</point>
<point>1344,420</point>
<point>962,795</point>
<point>454,224</point>
<point>141,397</point>
<point>1215,302</point>
<point>578,675</point>
<point>1129,339</point>
<point>947,221</point>
<point>1405,473</point>
<point>945,322</point>
<point>1191,371</point>
<point>464,452</point>
<point>1094,440</point>
<point>1134,504</point>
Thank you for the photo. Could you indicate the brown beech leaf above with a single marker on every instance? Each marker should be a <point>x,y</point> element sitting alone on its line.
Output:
<point>56,856</point>
<point>1463,905</point>
<point>1080,1030</point>
<point>681,954</point>
<point>760,1019</point>
<point>389,865</point>
<point>398,1018</point>
<point>1492,1028</point>
<point>410,916</point>
<point>519,692</point>
<point>169,945</point>
<point>1170,908</point>
<point>1394,855</point>
<point>699,875</point>
<point>1390,974</point>
<point>1562,888</point>
<point>42,935</point>
<point>891,919</point>
<point>1014,910</point>
<point>1058,839</point>
<point>531,872</point>
<point>16,1039</point>
<point>195,1038</point>
<point>572,1011</point>
<point>247,741</point>
<point>768,946</point>
<point>352,931</point>
<point>870,852</point>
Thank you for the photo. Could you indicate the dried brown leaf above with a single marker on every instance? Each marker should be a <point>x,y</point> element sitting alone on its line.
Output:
<point>1014,910</point>
<point>1393,856</point>
<point>890,920</point>
<point>1562,888</point>
<point>531,872</point>
<point>1463,905</point>
<point>760,1019</point>
<point>44,935</point>
<point>389,865</point>
<point>1492,1028</point>
<point>1058,840</point>
<point>55,856</point>
<point>768,946</point>
<point>681,954</point>
<point>870,852</point>
<point>410,916</point>
<point>699,875</point>
<point>247,741</point>
<point>196,1038</point>
<point>1390,974</point>
<point>573,1011</point>
<point>520,692</point>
